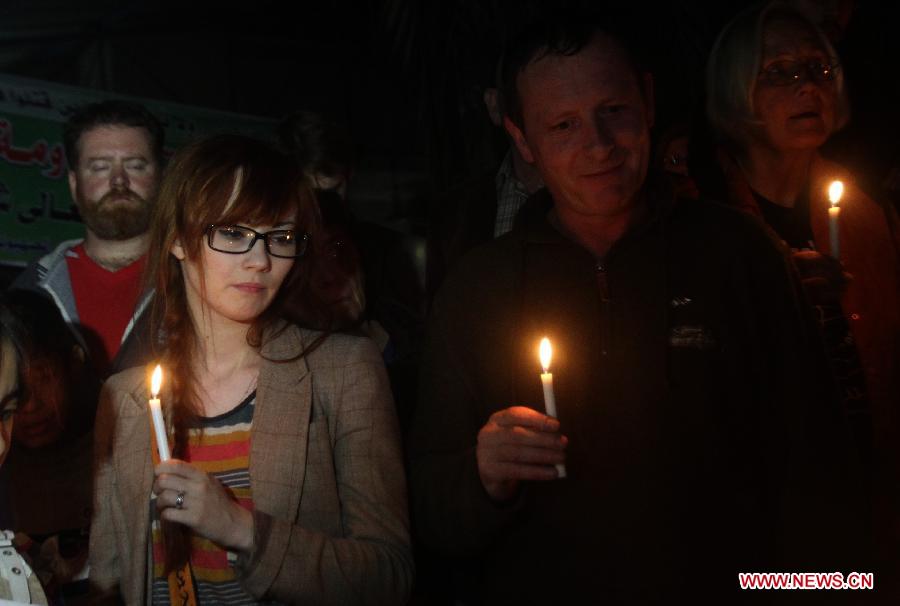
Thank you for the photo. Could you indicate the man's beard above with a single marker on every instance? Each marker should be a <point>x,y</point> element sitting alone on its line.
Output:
<point>112,218</point>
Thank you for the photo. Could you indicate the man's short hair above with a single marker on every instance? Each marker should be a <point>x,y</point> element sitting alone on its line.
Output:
<point>565,36</point>
<point>734,65</point>
<point>112,113</point>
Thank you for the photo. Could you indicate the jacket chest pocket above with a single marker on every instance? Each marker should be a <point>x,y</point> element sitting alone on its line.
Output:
<point>695,352</point>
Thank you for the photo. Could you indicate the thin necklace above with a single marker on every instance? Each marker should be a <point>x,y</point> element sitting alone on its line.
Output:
<point>250,386</point>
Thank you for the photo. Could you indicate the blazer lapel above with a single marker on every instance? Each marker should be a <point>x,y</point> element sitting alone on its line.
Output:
<point>135,476</point>
<point>279,435</point>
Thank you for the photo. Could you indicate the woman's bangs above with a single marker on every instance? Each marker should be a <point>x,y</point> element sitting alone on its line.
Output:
<point>263,197</point>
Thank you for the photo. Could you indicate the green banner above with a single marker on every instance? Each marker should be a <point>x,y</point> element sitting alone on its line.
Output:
<point>36,210</point>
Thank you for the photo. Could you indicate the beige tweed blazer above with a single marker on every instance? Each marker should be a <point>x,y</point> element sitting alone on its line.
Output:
<point>325,470</point>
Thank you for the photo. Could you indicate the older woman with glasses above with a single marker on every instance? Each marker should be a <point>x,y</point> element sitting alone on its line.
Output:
<point>775,94</point>
<point>286,483</point>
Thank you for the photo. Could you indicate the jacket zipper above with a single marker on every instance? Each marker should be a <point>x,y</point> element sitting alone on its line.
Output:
<point>605,320</point>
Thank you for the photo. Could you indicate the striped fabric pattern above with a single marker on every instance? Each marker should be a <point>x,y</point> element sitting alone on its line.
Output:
<point>221,447</point>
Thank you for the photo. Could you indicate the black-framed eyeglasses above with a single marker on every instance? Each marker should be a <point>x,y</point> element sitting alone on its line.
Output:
<point>237,239</point>
<point>788,71</point>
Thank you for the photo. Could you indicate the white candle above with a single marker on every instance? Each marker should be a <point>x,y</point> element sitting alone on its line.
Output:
<point>546,353</point>
<point>835,191</point>
<point>159,425</point>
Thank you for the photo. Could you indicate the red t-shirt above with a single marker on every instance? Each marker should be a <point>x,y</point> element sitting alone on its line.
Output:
<point>105,301</point>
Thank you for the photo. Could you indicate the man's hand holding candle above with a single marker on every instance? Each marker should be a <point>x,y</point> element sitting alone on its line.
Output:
<point>516,444</point>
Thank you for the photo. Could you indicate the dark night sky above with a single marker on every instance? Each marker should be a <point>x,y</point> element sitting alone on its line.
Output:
<point>406,75</point>
<point>392,68</point>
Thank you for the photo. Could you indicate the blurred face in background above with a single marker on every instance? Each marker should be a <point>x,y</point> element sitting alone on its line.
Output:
<point>331,183</point>
<point>44,406</point>
<point>795,96</point>
<point>9,390</point>
<point>336,279</point>
<point>675,156</point>
<point>673,161</point>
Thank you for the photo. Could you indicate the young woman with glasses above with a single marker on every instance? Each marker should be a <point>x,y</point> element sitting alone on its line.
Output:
<point>286,483</point>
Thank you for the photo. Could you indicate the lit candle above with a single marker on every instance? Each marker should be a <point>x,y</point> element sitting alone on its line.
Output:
<point>549,398</point>
<point>835,191</point>
<point>159,426</point>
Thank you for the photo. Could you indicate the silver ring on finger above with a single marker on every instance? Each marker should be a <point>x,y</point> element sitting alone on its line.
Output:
<point>179,500</point>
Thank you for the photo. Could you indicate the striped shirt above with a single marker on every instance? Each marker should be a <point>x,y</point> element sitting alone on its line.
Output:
<point>221,448</point>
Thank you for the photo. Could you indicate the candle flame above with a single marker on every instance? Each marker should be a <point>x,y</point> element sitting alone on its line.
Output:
<point>546,353</point>
<point>835,191</point>
<point>156,381</point>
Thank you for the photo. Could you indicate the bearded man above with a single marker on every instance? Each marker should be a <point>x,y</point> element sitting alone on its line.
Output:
<point>115,153</point>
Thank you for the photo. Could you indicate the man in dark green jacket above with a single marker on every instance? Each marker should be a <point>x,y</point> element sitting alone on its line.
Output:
<point>700,432</point>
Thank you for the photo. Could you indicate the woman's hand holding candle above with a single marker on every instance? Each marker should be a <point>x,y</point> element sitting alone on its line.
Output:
<point>206,506</point>
<point>823,276</point>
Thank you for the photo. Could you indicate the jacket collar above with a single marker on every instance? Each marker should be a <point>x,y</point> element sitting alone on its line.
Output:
<point>281,345</point>
<point>278,439</point>
<point>535,227</point>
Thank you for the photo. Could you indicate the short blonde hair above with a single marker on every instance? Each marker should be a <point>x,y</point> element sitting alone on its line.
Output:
<point>734,64</point>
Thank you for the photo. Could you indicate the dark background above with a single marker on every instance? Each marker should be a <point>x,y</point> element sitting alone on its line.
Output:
<point>405,75</point>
